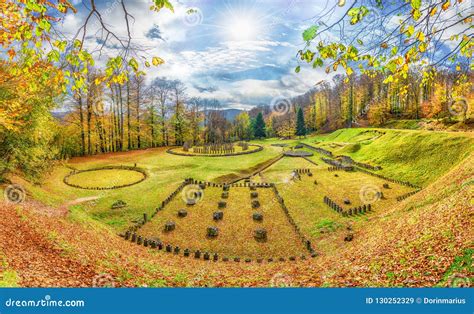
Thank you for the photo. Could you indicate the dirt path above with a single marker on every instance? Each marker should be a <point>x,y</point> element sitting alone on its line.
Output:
<point>61,211</point>
<point>36,260</point>
<point>80,200</point>
<point>247,173</point>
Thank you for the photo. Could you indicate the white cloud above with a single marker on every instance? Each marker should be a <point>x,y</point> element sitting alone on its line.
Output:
<point>196,55</point>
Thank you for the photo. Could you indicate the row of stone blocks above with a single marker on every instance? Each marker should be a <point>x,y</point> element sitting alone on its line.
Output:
<point>302,171</point>
<point>198,254</point>
<point>203,185</point>
<point>349,212</point>
<point>172,195</point>
<point>367,166</point>
<point>404,196</point>
<point>348,160</point>
<point>390,179</point>
<point>298,231</point>
<point>319,150</point>
<point>337,168</point>
<point>213,151</point>
<point>338,164</point>
<point>141,222</point>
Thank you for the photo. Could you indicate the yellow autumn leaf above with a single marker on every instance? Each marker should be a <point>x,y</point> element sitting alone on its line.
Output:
<point>388,79</point>
<point>446,5</point>
<point>157,61</point>
<point>422,47</point>
<point>420,36</point>
<point>433,11</point>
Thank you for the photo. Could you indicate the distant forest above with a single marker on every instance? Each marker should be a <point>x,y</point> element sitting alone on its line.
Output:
<point>137,115</point>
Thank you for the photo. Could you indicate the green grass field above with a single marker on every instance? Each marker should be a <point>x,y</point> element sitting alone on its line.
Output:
<point>105,178</point>
<point>402,154</point>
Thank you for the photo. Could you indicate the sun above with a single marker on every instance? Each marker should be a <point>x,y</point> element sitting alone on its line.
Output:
<point>240,23</point>
<point>243,28</point>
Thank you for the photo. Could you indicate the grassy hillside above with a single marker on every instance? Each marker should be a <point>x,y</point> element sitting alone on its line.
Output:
<point>419,157</point>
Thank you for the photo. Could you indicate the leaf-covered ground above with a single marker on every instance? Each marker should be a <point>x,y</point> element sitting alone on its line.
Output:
<point>236,229</point>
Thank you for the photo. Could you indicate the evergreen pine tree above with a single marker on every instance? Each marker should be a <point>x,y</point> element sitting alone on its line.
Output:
<point>300,126</point>
<point>259,127</point>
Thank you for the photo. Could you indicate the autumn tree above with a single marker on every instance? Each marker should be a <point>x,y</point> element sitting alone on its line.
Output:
<point>242,126</point>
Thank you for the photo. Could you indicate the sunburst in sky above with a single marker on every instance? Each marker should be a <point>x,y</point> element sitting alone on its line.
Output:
<point>241,52</point>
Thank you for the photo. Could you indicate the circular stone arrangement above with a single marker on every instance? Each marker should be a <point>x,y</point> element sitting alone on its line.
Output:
<point>105,181</point>
<point>252,148</point>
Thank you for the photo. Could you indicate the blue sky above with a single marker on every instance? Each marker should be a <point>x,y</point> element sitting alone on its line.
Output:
<point>242,53</point>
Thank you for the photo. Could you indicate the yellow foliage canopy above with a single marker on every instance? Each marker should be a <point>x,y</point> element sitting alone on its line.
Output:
<point>20,91</point>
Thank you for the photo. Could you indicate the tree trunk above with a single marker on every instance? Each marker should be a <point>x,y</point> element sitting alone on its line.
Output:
<point>129,128</point>
<point>81,120</point>
<point>138,115</point>
<point>89,119</point>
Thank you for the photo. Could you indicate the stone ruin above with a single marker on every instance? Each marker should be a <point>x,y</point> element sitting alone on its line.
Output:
<point>255,204</point>
<point>170,226</point>
<point>260,234</point>
<point>187,146</point>
<point>244,145</point>
<point>118,204</point>
<point>257,217</point>
<point>215,149</point>
<point>212,232</point>
<point>219,215</point>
